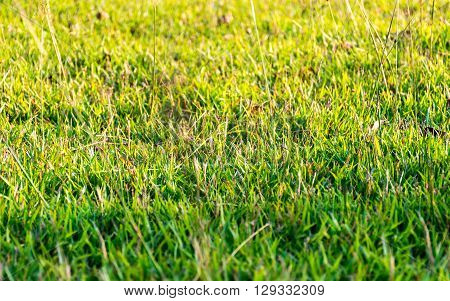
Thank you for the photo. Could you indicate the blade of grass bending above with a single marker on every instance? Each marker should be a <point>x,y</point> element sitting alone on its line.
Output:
<point>261,54</point>
<point>53,35</point>
<point>152,106</point>
<point>29,26</point>
<point>245,242</point>
<point>16,158</point>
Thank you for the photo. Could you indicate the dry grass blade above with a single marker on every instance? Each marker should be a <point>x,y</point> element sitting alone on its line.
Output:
<point>261,54</point>
<point>16,158</point>
<point>245,242</point>
<point>48,17</point>
<point>427,241</point>
<point>154,59</point>
<point>31,29</point>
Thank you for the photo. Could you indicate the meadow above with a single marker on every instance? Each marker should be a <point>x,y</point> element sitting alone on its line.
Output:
<point>224,140</point>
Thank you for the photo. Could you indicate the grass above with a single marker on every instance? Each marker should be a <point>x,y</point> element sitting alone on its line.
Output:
<point>224,140</point>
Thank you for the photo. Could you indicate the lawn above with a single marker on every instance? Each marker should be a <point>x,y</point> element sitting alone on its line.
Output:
<point>224,140</point>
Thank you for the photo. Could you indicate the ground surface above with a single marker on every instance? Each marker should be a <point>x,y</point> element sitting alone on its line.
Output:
<point>313,145</point>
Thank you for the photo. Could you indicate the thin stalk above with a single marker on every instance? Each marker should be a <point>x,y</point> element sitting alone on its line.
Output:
<point>154,60</point>
<point>53,35</point>
<point>261,54</point>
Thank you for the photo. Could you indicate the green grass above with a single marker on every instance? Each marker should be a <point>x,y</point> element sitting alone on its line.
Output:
<point>224,143</point>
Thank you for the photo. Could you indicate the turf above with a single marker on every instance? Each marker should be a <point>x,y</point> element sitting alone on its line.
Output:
<point>224,140</point>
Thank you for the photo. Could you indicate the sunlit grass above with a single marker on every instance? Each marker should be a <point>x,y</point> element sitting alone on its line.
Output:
<point>211,141</point>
